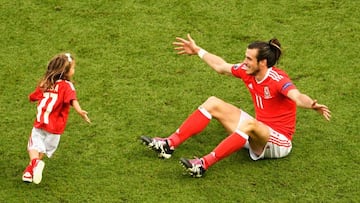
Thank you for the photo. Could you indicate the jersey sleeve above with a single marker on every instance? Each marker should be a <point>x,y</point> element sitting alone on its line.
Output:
<point>36,95</point>
<point>285,85</point>
<point>70,93</point>
<point>238,70</point>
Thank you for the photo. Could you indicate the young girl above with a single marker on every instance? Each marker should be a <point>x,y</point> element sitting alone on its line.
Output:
<point>54,95</point>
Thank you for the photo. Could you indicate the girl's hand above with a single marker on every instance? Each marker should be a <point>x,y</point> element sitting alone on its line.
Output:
<point>84,115</point>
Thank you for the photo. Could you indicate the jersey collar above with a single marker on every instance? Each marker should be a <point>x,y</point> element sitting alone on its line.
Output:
<point>266,76</point>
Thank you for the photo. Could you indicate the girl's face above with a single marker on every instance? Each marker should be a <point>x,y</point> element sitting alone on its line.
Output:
<point>71,70</point>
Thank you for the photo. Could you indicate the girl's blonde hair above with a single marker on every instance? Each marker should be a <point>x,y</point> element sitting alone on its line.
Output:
<point>57,69</point>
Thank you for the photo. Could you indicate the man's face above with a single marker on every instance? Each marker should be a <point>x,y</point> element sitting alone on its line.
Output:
<point>251,62</point>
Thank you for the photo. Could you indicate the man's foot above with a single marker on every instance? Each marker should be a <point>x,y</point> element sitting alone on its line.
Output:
<point>159,145</point>
<point>195,167</point>
<point>37,171</point>
<point>27,175</point>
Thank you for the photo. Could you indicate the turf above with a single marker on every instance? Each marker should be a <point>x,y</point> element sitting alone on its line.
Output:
<point>132,83</point>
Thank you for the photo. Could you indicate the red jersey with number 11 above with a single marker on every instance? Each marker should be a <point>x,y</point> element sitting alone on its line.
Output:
<point>53,106</point>
<point>272,106</point>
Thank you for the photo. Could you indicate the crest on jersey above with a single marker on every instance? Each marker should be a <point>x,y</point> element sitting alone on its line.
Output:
<point>267,94</point>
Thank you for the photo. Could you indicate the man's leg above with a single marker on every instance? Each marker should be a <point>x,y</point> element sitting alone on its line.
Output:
<point>247,129</point>
<point>252,130</point>
<point>193,125</point>
<point>228,115</point>
<point>229,145</point>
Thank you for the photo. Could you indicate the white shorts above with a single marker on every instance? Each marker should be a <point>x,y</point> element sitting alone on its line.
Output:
<point>278,145</point>
<point>43,141</point>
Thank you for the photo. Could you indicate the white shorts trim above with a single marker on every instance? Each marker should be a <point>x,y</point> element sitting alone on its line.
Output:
<point>43,141</point>
<point>244,116</point>
<point>278,146</point>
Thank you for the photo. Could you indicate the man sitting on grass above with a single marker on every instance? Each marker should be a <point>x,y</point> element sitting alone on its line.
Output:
<point>275,99</point>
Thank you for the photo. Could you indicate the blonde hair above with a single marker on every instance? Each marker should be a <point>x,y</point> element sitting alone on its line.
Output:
<point>57,69</point>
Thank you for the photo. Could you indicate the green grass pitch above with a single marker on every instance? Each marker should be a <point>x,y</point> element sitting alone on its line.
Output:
<point>130,80</point>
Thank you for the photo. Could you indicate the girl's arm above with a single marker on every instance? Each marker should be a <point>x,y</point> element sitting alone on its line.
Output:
<point>81,112</point>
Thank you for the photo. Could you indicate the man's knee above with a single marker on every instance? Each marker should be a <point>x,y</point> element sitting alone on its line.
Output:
<point>256,130</point>
<point>212,103</point>
<point>212,99</point>
<point>248,126</point>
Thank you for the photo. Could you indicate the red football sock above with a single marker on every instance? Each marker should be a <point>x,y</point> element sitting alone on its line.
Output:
<point>33,162</point>
<point>194,124</point>
<point>229,145</point>
<point>29,168</point>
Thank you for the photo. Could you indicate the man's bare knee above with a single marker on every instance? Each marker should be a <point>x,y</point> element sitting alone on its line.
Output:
<point>257,131</point>
<point>212,103</point>
<point>213,100</point>
<point>248,126</point>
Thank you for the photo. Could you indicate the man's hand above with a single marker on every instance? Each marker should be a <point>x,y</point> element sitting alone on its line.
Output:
<point>304,101</point>
<point>322,109</point>
<point>184,46</point>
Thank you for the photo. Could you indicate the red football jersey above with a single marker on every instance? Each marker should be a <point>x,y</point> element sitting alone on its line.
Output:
<point>53,106</point>
<point>272,106</point>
